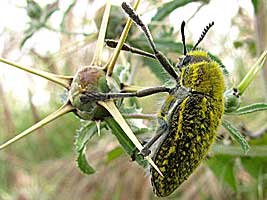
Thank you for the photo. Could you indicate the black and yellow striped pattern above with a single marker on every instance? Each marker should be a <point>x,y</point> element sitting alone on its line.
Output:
<point>192,115</point>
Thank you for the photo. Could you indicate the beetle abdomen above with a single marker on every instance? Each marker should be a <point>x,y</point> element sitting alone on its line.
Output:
<point>192,129</point>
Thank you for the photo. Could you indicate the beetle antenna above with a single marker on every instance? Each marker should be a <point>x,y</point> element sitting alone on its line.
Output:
<point>204,32</point>
<point>183,36</point>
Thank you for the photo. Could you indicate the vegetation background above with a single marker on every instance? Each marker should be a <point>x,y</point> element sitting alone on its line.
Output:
<point>59,36</point>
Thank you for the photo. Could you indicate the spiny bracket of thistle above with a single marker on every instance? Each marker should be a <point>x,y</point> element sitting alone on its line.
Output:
<point>110,106</point>
<point>62,80</point>
<point>65,81</point>
<point>97,59</point>
<point>66,108</point>
<point>75,86</point>
<point>111,64</point>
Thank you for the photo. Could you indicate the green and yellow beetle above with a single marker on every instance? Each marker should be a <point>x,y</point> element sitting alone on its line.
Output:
<point>189,117</point>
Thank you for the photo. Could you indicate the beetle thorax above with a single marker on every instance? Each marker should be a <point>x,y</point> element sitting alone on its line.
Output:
<point>202,75</point>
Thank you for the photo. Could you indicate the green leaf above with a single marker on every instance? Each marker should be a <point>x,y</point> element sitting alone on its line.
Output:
<point>83,163</point>
<point>117,21</point>
<point>236,135</point>
<point>223,168</point>
<point>166,45</point>
<point>114,153</point>
<point>122,72</point>
<point>250,109</point>
<point>167,8</point>
<point>252,73</point>
<point>157,69</point>
<point>87,130</point>
<point>34,10</point>
<point>125,142</point>
<point>255,4</point>
<point>255,166</point>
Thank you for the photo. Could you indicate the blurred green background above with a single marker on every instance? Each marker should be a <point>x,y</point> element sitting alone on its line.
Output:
<point>59,37</point>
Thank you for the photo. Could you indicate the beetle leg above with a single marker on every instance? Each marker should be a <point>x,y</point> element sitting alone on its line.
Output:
<point>163,60</point>
<point>163,129</point>
<point>112,44</point>
<point>136,152</point>
<point>89,97</point>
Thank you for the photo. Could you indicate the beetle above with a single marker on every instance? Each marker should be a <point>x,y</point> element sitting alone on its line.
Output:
<point>190,115</point>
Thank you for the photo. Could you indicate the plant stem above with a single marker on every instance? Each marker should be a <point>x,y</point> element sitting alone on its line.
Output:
<point>252,73</point>
<point>255,151</point>
<point>131,88</point>
<point>111,63</point>
<point>66,108</point>
<point>64,81</point>
<point>140,116</point>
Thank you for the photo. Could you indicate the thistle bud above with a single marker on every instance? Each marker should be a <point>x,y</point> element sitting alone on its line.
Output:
<point>89,80</point>
<point>231,100</point>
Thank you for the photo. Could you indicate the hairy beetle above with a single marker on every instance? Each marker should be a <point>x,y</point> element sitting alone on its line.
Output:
<point>190,115</point>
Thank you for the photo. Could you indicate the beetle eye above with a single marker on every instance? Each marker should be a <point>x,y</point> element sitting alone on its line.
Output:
<point>186,60</point>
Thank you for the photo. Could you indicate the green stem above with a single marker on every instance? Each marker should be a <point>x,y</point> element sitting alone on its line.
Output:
<point>255,151</point>
<point>66,108</point>
<point>64,81</point>
<point>252,73</point>
<point>111,64</point>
